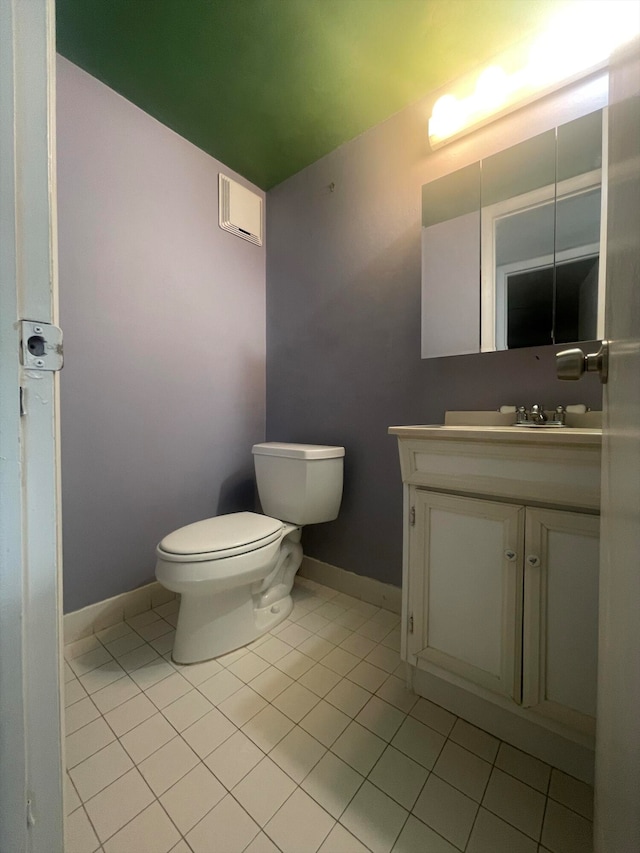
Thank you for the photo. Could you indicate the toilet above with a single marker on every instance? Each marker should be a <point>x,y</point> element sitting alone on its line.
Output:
<point>235,572</point>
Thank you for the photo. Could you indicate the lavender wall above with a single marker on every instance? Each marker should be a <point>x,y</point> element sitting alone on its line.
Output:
<point>343,324</point>
<point>163,389</point>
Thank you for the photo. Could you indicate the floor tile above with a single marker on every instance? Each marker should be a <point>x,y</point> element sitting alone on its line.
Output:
<point>300,826</point>
<point>564,831</point>
<point>118,803</point>
<point>325,723</point>
<point>572,793</point>
<point>340,661</point>
<point>332,783</point>
<point>262,844</point>
<point>392,640</point>
<point>71,799</point>
<point>417,837</point>
<point>220,686</point>
<point>164,643</point>
<point>68,673</point>
<point>130,714</point>
<point>73,692</point>
<point>87,741</point>
<point>242,705</point>
<point>330,610</point>
<point>312,622</point>
<point>399,777</point>
<point>186,710</point>
<point>167,765</point>
<point>358,645</point>
<point>196,673</point>
<point>475,740</point>
<point>78,715</point>
<point>316,647</point>
<point>524,767</point>
<point>296,701</point>
<point>463,769</point>
<point>419,742</point>
<point>446,810</point>
<point>81,647</point>
<point>267,728</point>
<point>335,633</point>
<point>270,683</point>
<point>359,747</point>
<point>374,818</point>
<point>113,632</point>
<point>114,694</point>
<point>380,718</point>
<point>208,732</point>
<point>297,753</point>
<point>373,630</point>
<point>79,836</point>
<point>248,667</point>
<point>152,672</point>
<point>263,791</point>
<point>169,607</point>
<point>352,619</point>
<point>368,676</point>
<point>348,697</point>
<point>229,824</point>
<point>102,676</point>
<point>294,664</point>
<point>150,831</point>
<point>232,657</point>
<point>144,618</point>
<point>394,691</point>
<point>147,737</point>
<point>293,635</point>
<point>99,770</point>
<point>233,759</point>
<point>341,840</point>
<point>90,660</point>
<point>273,650</point>
<point>433,715</point>
<point>122,645</point>
<point>189,800</point>
<point>492,835</point>
<point>319,679</point>
<point>154,630</point>
<point>136,658</point>
<point>384,658</point>
<point>515,802</point>
<point>168,690</point>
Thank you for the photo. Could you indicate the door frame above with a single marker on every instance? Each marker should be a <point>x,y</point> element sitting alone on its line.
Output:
<point>31,792</point>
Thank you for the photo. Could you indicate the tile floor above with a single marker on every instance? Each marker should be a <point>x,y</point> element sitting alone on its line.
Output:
<point>305,741</point>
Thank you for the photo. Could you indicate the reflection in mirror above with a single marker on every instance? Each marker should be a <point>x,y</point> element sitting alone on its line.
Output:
<point>528,218</point>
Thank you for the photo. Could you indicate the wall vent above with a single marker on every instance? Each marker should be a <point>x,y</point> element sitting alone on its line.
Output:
<point>240,210</point>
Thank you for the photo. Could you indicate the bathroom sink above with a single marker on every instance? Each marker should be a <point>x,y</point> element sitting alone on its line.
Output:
<point>574,420</point>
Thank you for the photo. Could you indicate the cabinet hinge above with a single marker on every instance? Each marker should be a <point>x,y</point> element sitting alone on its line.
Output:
<point>411,624</point>
<point>412,516</point>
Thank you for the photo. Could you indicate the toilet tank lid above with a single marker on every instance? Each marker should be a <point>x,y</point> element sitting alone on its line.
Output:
<point>297,451</point>
<point>222,533</point>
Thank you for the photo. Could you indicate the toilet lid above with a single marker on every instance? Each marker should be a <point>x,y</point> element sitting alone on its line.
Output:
<point>237,532</point>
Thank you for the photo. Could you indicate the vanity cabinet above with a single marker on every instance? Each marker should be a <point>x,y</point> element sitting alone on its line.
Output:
<point>501,566</point>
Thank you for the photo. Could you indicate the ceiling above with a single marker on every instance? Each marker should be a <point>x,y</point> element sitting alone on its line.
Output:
<point>269,86</point>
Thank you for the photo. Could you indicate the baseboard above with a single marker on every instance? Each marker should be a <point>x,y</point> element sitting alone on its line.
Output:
<point>366,589</point>
<point>573,758</point>
<point>103,614</point>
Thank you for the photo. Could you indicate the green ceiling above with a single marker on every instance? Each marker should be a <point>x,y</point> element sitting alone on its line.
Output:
<point>269,86</point>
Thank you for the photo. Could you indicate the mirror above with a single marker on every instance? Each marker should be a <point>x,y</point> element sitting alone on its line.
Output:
<point>510,246</point>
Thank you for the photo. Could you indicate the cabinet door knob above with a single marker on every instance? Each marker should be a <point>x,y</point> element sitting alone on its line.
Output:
<point>533,560</point>
<point>510,555</point>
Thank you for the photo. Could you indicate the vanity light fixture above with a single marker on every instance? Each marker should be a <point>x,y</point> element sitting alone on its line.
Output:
<point>578,41</point>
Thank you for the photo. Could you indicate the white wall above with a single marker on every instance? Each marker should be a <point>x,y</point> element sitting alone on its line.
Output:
<point>163,389</point>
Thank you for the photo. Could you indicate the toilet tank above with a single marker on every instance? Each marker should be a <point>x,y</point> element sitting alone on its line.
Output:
<point>299,483</point>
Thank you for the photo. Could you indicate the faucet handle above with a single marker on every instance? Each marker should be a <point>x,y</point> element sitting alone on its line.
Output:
<point>522,416</point>
<point>538,414</point>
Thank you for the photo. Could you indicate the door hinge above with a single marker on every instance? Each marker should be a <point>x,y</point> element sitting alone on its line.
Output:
<point>31,820</point>
<point>41,346</point>
<point>411,624</point>
<point>412,516</point>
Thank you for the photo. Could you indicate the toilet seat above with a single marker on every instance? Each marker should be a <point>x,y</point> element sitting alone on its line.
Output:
<point>220,537</point>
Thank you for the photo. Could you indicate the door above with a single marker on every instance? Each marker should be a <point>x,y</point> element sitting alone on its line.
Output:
<point>30,607</point>
<point>560,630</point>
<point>617,801</point>
<point>465,582</point>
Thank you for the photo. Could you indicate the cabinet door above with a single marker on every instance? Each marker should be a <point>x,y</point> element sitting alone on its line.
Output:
<point>561,616</point>
<point>465,588</point>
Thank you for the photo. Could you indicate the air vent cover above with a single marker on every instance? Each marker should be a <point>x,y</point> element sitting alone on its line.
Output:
<point>240,210</point>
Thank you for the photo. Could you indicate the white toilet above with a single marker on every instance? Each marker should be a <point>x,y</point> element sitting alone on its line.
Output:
<point>235,572</point>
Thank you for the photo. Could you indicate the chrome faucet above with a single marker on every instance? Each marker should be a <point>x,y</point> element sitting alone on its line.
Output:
<point>537,414</point>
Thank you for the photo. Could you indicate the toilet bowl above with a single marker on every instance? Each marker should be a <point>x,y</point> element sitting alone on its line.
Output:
<point>235,572</point>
